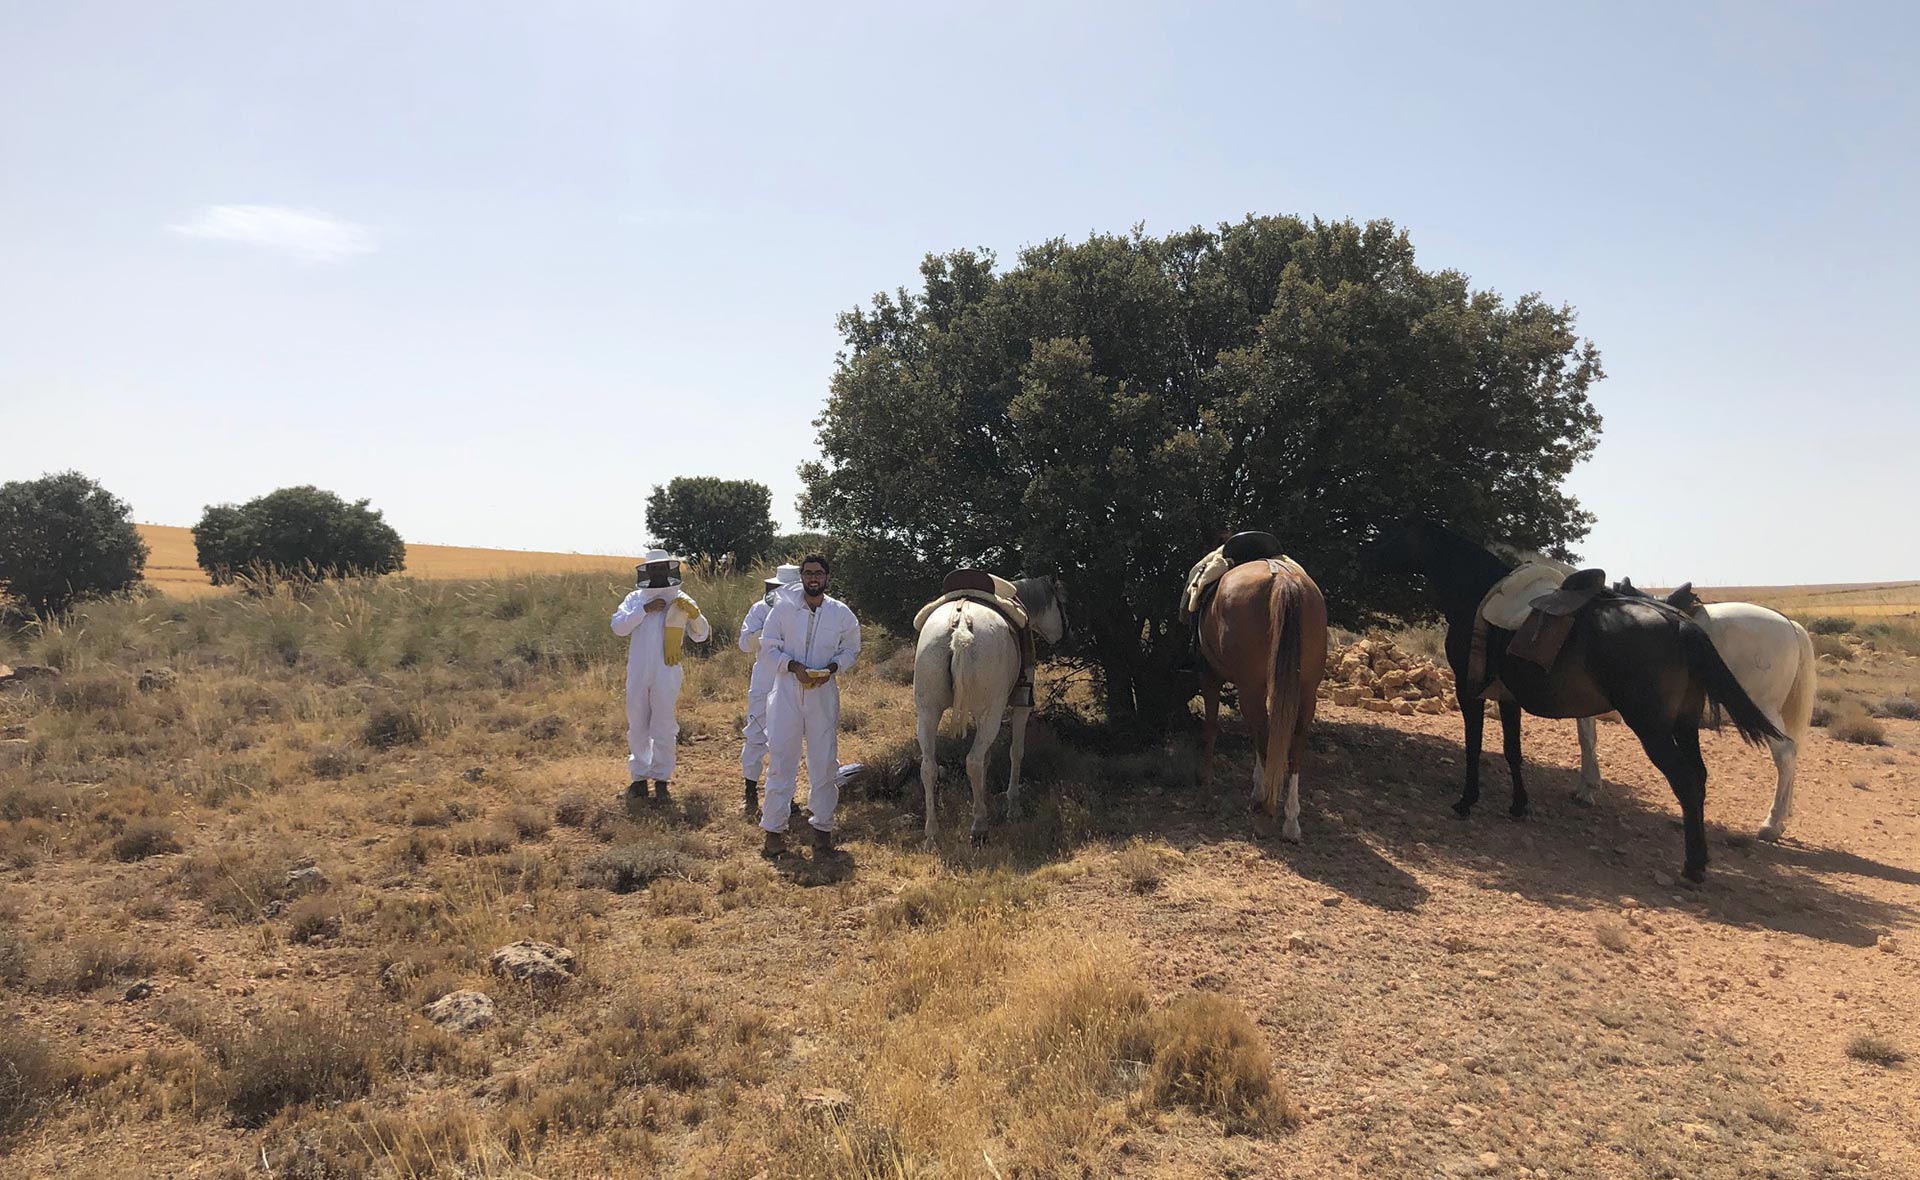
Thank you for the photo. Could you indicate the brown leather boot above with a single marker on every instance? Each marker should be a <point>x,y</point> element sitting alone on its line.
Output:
<point>750,800</point>
<point>775,846</point>
<point>660,792</point>
<point>823,842</point>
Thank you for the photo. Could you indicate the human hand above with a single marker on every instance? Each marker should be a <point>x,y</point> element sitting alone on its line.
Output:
<point>797,668</point>
<point>655,607</point>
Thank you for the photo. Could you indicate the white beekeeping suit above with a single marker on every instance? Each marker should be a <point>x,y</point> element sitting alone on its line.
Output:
<point>753,748</point>
<point>805,712</point>
<point>655,644</point>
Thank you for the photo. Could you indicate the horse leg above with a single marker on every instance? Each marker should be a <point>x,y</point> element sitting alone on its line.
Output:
<point>928,729</point>
<point>1017,751</point>
<point>1589,728</point>
<point>1510,730</point>
<point>1303,721</point>
<point>1693,804</point>
<point>1210,692</point>
<point>1473,715</point>
<point>986,730</point>
<point>1786,757</point>
<point>1664,750</point>
<point>1254,713</point>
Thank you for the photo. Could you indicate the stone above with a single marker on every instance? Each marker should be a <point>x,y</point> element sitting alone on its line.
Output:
<point>1373,706</point>
<point>538,963</point>
<point>157,679</point>
<point>826,1100</point>
<point>1888,944</point>
<point>1297,941</point>
<point>139,991</point>
<point>1403,708</point>
<point>463,1011</point>
<point>1346,695</point>
<point>27,675</point>
<point>1431,705</point>
<point>307,880</point>
<point>1662,880</point>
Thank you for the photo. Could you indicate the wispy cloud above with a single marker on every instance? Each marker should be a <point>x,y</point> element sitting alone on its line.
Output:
<point>304,233</point>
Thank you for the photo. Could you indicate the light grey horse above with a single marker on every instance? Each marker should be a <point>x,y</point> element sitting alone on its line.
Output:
<point>968,660</point>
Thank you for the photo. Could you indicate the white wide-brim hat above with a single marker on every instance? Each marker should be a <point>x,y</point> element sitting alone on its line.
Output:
<point>786,575</point>
<point>656,556</point>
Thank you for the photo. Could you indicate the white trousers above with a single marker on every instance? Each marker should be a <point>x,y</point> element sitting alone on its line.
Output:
<point>795,716</point>
<point>652,728</point>
<point>753,735</point>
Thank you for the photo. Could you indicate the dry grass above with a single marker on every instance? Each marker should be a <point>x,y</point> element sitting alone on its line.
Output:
<point>1853,724</point>
<point>1875,1050</point>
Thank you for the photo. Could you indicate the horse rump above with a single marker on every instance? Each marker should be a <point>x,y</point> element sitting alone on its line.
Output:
<point>1723,688</point>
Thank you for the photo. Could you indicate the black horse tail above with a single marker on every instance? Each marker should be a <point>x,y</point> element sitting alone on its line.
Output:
<point>1722,687</point>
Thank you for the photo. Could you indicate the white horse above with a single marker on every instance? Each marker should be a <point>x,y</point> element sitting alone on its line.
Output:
<point>1772,658</point>
<point>968,660</point>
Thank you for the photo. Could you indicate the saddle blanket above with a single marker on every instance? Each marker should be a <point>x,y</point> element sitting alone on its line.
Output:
<point>1211,569</point>
<point>1004,599</point>
<point>1508,604</point>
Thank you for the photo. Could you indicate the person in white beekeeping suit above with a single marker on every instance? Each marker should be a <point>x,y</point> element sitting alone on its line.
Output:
<point>657,619</point>
<point>753,750</point>
<point>812,640</point>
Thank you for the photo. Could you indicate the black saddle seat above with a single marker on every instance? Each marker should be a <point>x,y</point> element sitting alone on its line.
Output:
<point>958,580</point>
<point>1251,547</point>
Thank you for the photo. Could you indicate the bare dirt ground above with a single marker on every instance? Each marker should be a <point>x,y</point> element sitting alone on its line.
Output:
<point>1440,997</point>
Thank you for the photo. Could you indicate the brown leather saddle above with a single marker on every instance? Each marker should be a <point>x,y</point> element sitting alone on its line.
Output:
<point>981,582</point>
<point>1540,638</point>
<point>1241,547</point>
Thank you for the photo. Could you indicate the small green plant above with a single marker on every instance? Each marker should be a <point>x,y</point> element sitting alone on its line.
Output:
<point>1830,625</point>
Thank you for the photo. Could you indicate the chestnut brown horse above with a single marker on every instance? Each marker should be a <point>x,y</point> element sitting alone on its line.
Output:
<point>1266,634</point>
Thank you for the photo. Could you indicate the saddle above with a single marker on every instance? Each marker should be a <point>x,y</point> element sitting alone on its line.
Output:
<point>1205,576</point>
<point>999,594</point>
<point>1538,637</point>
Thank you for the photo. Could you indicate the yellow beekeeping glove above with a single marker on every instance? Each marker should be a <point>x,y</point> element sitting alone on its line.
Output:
<point>691,607</point>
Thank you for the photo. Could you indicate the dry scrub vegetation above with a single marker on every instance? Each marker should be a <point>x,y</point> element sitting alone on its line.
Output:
<point>245,841</point>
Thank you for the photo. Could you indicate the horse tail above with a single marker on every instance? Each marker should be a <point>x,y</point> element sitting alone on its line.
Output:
<point>1283,682</point>
<point>1723,688</point>
<point>961,655</point>
<point>1797,710</point>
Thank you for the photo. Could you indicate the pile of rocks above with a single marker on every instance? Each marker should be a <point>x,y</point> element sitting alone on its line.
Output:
<point>1380,676</point>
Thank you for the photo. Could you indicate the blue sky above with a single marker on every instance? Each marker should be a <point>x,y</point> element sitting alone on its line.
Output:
<point>501,268</point>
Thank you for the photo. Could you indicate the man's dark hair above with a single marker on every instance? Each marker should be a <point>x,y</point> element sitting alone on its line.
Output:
<point>816,559</point>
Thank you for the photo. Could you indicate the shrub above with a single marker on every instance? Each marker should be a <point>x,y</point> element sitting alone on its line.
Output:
<point>1902,708</point>
<point>1827,645</point>
<point>303,531</point>
<point>301,1057</point>
<point>144,838</point>
<point>391,725</point>
<point>573,810</point>
<point>1853,725</point>
<point>1830,625</point>
<point>63,538</point>
<point>634,866</point>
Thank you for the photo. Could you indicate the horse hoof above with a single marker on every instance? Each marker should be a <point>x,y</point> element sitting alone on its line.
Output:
<point>1462,810</point>
<point>1583,798</point>
<point>1694,876</point>
<point>1517,814</point>
<point>1771,834</point>
<point>1291,833</point>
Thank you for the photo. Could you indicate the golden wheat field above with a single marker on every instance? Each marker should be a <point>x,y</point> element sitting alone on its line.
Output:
<point>254,850</point>
<point>172,567</point>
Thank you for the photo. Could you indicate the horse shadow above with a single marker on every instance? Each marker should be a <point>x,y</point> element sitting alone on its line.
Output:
<point>1375,798</point>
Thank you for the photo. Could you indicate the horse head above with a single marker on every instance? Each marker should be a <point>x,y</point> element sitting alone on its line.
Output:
<point>1403,548</point>
<point>1046,603</point>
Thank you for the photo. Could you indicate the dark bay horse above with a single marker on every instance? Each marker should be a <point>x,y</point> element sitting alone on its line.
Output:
<point>1638,656</point>
<point>1266,634</point>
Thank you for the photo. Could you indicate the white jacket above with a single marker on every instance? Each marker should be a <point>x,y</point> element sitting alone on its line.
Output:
<point>829,635</point>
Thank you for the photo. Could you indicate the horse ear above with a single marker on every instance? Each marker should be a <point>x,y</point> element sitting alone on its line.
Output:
<point>1626,583</point>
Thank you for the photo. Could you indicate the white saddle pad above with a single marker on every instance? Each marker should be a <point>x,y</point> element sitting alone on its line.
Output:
<point>1507,605</point>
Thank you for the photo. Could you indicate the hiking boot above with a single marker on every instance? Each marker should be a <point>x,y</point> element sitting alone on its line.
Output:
<point>660,794</point>
<point>637,789</point>
<point>750,800</point>
<point>823,843</point>
<point>775,846</point>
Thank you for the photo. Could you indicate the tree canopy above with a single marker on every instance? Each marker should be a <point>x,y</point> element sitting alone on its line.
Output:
<point>63,538</point>
<point>1108,410</point>
<point>303,531</point>
<point>712,520</point>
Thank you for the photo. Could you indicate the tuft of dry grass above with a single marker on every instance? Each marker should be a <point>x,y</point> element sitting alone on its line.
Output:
<point>1900,708</point>
<point>573,810</point>
<point>31,1079</point>
<point>997,893</point>
<point>1613,935</point>
<point>1875,1050</point>
<point>530,821</point>
<point>390,725</point>
<point>1209,1055</point>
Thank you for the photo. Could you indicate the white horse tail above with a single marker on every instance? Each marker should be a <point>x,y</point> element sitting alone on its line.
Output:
<point>962,658</point>
<point>1283,685</point>
<point>1797,710</point>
